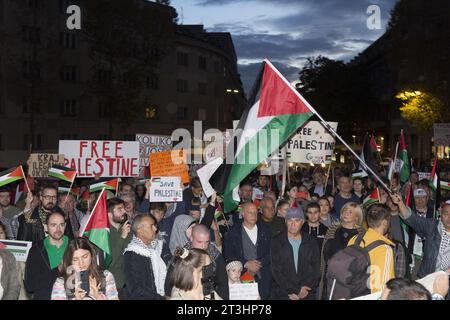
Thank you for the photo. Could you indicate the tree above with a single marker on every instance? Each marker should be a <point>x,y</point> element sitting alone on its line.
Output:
<point>420,30</point>
<point>127,39</point>
<point>421,109</point>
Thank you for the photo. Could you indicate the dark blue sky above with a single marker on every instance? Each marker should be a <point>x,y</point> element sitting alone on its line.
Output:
<point>287,31</point>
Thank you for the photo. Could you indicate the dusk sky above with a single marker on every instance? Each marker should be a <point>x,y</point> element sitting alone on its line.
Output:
<point>287,31</point>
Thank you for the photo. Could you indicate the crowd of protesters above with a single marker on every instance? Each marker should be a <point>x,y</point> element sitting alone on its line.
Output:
<point>287,242</point>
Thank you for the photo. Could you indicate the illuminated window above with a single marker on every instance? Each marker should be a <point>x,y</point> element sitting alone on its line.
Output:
<point>151,112</point>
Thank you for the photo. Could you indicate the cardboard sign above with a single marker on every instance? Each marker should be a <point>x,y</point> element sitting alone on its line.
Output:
<point>101,158</point>
<point>441,134</point>
<point>40,163</point>
<point>206,172</point>
<point>169,164</point>
<point>19,249</point>
<point>150,144</point>
<point>166,189</point>
<point>312,144</point>
<point>424,175</point>
<point>244,291</point>
<point>257,194</point>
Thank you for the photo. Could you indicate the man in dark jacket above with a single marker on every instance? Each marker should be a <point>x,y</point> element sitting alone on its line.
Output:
<point>41,268</point>
<point>249,242</point>
<point>275,223</point>
<point>295,261</point>
<point>143,263</point>
<point>31,227</point>
<point>436,250</point>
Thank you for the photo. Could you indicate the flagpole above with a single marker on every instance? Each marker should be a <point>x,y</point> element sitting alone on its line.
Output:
<point>328,176</point>
<point>328,126</point>
<point>283,183</point>
<point>391,173</point>
<point>25,178</point>
<point>70,188</point>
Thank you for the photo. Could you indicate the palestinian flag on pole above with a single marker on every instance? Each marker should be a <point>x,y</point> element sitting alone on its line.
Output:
<point>97,227</point>
<point>374,197</point>
<point>108,185</point>
<point>62,173</point>
<point>368,148</point>
<point>435,186</point>
<point>274,112</point>
<point>11,175</point>
<point>74,191</point>
<point>445,185</point>
<point>405,165</point>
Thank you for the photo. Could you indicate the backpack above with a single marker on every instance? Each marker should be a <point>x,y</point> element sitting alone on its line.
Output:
<point>347,274</point>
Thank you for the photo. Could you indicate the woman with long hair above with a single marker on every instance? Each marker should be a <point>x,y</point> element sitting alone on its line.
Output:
<point>82,278</point>
<point>339,234</point>
<point>291,195</point>
<point>186,278</point>
<point>325,212</point>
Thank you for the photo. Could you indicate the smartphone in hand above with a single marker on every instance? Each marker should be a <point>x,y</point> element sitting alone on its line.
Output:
<point>83,278</point>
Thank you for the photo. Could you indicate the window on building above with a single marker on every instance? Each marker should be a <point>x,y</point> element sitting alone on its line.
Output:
<point>202,89</point>
<point>202,63</point>
<point>37,143</point>
<point>31,34</point>
<point>182,113</point>
<point>182,59</point>
<point>182,85</point>
<point>152,112</point>
<point>153,82</point>
<point>69,73</point>
<point>68,40</point>
<point>26,105</point>
<point>31,69</point>
<point>68,108</point>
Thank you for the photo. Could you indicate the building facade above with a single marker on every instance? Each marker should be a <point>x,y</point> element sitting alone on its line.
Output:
<point>46,69</point>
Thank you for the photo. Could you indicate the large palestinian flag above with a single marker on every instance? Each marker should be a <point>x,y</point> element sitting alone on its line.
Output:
<point>11,175</point>
<point>274,112</point>
<point>62,173</point>
<point>97,227</point>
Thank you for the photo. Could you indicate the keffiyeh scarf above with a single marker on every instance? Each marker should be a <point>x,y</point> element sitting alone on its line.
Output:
<point>152,251</point>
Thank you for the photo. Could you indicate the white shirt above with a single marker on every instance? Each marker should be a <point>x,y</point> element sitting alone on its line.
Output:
<point>252,233</point>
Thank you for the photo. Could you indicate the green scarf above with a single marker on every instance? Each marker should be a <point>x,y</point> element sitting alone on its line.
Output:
<point>55,254</point>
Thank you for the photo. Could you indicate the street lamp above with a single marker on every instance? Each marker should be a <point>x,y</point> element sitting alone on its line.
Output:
<point>354,139</point>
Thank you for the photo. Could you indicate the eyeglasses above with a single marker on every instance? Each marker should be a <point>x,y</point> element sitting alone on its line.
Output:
<point>50,197</point>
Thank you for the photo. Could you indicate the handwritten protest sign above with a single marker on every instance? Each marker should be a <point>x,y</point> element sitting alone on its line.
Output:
<point>244,291</point>
<point>162,164</point>
<point>101,158</point>
<point>166,189</point>
<point>19,249</point>
<point>40,163</point>
<point>150,144</point>
<point>312,144</point>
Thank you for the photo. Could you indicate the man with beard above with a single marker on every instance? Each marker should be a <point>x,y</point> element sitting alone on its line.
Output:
<point>120,236</point>
<point>31,223</point>
<point>45,256</point>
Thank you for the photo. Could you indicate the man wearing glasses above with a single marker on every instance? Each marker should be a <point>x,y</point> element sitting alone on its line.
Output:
<point>31,223</point>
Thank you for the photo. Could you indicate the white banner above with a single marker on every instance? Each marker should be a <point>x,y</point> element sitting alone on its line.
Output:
<point>312,144</point>
<point>166,189</point>
<point>441,134</point>
<point>101,158</point>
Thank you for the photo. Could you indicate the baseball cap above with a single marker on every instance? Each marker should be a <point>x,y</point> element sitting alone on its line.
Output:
<point>294,213</point>
<point>420,193</point>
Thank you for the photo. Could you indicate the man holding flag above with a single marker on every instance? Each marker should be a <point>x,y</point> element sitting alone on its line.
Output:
<point>31,223</point>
